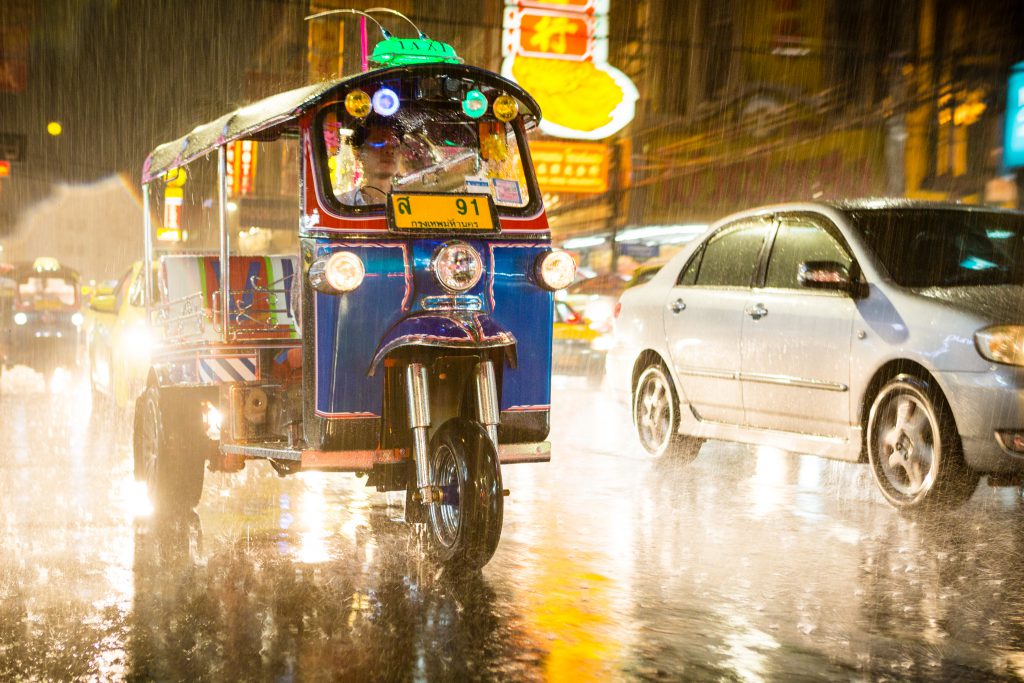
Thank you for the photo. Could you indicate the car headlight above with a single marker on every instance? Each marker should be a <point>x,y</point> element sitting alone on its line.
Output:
<point>340,272</point>
<point>20,318</point>
<point>1001,343</point>
<point>458,266</point>
<point>555,269</point>
<point>599,313</point>
<point>138,342</point>
<point>77,319</point>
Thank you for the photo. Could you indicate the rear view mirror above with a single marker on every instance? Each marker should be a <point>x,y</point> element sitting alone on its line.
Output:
<point>103,303</point>
<point>828,275</point>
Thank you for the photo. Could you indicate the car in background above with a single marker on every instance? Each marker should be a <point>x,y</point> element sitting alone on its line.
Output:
<point>44,328</point>
<point>890,332</point>
<point>595,298</point>
<point>643,274</point>
<point>119,340</point>
<point>577,347</point>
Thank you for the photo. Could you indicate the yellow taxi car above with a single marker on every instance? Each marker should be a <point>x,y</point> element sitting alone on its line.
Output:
<point>578,348</point>
<point>118,339</point>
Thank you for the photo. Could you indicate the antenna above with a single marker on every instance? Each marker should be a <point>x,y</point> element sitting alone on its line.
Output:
<point>388,10</point>
<point>384,32</point>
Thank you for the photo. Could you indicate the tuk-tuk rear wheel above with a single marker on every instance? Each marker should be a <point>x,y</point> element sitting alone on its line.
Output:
<point>171,467</point>
<point>465,527</point>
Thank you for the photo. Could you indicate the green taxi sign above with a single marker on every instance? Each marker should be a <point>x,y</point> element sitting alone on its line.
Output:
<point>405,51</point>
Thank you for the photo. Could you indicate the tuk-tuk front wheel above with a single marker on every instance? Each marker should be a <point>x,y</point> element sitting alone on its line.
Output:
<point>465,526</point>
<point>170,466</point>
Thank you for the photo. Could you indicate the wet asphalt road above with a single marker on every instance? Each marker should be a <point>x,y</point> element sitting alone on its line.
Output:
<point>744,565</point>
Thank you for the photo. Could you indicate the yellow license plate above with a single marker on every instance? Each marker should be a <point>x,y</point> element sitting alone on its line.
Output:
<point>442,212</point>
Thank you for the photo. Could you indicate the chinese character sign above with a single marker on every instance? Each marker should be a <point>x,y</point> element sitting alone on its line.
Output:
<point>558,51</point>
<point>240,167</point>
<point>580,167</point>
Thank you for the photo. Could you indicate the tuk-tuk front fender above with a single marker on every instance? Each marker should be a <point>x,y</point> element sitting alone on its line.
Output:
<point>447,330</point>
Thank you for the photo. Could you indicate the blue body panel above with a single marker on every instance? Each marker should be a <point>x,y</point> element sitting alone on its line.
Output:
<point>398,301</point>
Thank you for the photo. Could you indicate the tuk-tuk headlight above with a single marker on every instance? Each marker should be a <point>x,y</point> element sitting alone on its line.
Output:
<point>20,318</point>
<point>340,272</point>
<point>555,269</point>
<point>458,266</point>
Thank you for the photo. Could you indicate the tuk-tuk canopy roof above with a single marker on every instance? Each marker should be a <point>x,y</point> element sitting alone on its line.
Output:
<point>283,107</point>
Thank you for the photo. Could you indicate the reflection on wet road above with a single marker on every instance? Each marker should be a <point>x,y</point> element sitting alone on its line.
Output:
<point>747,564</point>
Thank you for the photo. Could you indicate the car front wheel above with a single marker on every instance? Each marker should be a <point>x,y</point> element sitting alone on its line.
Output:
<point>656,416</point>
<point>914,449</point>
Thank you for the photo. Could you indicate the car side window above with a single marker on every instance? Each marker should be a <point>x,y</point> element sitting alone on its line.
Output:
<point>121,289</point>
<point>731,256</point>
<point>137,293</point>
<point>798,240</point>
<point>689,275</point>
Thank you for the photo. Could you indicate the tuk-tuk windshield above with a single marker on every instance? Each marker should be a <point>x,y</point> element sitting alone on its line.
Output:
<point>421,149</point>
<point>47,291</point>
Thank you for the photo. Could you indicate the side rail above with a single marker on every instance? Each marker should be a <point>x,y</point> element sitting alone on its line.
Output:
<point>259,306</point>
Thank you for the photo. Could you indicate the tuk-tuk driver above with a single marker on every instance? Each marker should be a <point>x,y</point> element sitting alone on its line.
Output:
<point>378,148</point>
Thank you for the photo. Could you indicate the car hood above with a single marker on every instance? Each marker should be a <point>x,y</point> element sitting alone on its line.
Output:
<point>998,303</point>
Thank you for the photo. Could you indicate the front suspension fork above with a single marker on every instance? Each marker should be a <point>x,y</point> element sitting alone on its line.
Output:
<point>418,402</point>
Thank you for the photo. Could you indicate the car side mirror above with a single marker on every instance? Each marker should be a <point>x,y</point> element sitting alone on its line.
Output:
<point>103,303</point>
<point>827,275</point>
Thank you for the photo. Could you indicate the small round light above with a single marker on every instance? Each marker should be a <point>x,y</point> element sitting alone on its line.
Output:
<point>458,266</point>
<point>475,104</point>
<point>54,128</point>
<point>20,318</point>
<point>342,271</point>
<point>556,270</point>
<point>77,319</point>
<point>505,108</point>
<point>357,104</point>
<point>385,102</point>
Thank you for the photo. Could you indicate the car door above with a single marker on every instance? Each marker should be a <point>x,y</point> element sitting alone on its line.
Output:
<point>703,316</point>
<point>127,341</point>
<point>796,341</point>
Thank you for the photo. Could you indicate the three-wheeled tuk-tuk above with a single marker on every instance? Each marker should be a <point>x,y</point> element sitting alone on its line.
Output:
<point>43,302</point>
<point>355,276</point>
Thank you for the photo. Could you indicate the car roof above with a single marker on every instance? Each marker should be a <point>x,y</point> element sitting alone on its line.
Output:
<point>863,204</point>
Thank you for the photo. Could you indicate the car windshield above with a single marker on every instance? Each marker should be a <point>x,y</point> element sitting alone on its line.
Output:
<point>946,248</point>
<point>422,150</point>
<point>40,291</point>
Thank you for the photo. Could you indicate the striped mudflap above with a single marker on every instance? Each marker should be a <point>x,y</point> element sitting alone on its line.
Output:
<point>217,369</point>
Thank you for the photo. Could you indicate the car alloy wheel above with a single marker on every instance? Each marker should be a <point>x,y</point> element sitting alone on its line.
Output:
<point>654,410</point>
<point>914,449</point>
<point>907,444</point>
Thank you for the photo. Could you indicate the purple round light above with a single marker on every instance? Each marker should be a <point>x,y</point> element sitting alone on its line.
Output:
<point>385,102</point>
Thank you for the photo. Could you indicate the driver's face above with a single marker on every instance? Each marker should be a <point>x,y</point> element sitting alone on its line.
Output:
<point>380,154</point>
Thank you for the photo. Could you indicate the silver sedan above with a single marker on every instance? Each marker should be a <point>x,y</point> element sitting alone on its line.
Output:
<point>887,332</point>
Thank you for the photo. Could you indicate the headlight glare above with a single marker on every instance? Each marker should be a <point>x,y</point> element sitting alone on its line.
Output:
<point>77,319</point>
<point>555,269</point>
<point>20,318</point>
<point>340,272</point>
<point>458,266</point>
<point>1001,343</point>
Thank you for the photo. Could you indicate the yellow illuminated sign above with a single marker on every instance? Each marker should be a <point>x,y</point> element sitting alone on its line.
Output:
<point>441,212</point>
<point>570,166</point>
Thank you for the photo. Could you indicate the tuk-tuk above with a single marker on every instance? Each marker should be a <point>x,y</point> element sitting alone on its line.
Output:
<point>43,320</point>
<point>6,312</point>
<point>355,276</point>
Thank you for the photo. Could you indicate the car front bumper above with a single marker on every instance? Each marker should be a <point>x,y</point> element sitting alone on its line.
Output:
<point>984,404</point>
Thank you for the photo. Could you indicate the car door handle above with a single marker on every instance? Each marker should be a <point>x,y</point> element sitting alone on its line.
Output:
<point>757,311</point>
<point>677,306</point>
